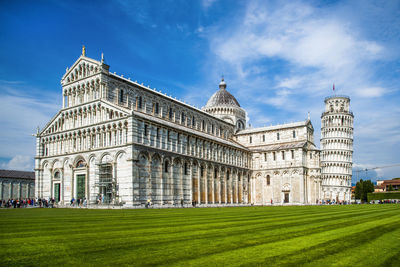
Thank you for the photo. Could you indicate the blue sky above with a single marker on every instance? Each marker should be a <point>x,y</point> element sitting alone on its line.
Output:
<point>279,58</point>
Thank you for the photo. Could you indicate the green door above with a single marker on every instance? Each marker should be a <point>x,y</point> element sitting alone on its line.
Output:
<point>80,186</point>
<point>57,192</point>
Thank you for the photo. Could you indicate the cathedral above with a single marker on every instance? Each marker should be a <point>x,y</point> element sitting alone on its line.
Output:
<point>118,142</point>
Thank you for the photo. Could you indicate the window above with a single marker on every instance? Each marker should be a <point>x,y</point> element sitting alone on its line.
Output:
<point>265,156</point>
<point>179,138</point>
<point>227,175</point>
<point>274,155</point>
<point>203,126</point>
<point>158,133</point>
<point>292,154</point>
<point>250,140</point>
<point>140,102</point>
<point>263,137</point>
<point>201,171</point>
<point>168,135</point>
<point>277,136</point>
<point>186,168</point>
<point>166,166</point>
<point>294,134</point>
<point>156,108</point>
<point>268,180</point>
<point>170,113</point>
<point>57,175</point>
<point>310,155</point>
<point>212,128</point>
<point>121,96</point>
<point>283,155</point>
<point>145,130</point>
<point>193,122</point>
<point>182,118</point>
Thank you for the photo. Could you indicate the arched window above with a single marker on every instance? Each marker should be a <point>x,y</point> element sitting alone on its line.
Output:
<point>121,96</point>
<point>57,175</point>
<point>170,113</point>
<point>268,180</point>
<point>156,108</point>
<point>166,166</point>
<point>182,118</point>
<point>140,102</point>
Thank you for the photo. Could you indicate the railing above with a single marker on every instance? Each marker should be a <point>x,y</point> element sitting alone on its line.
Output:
<point>334,96</point>
<point>337,112</point>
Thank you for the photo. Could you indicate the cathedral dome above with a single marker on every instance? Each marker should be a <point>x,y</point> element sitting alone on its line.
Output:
<point>222,98</point>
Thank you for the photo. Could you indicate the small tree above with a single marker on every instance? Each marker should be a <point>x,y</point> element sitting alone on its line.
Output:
<point>368,187</point>
<point>390,188</point>
<point>362,190</point>
<point>359,189</point>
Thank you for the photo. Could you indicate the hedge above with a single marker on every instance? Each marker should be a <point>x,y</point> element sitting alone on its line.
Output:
<point>382,196</point>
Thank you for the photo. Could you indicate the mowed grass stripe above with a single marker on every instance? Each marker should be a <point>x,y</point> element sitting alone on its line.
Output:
<point>53,227</point>
<point>382,251</point>
<point>176,234</point>
<point>100,244</point>
<point>283,252</point>
<point>188,250</point>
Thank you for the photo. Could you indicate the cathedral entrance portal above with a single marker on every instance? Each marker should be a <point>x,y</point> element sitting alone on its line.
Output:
<point>80,186</point>
<point>286,200</point>
<point>286,193</point>
<point>57,192</point>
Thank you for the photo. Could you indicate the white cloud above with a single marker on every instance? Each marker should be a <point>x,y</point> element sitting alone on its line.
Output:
<point>21,113</point>
<point>285,56</point>
<point>371,92</point>
<point>20,163</point>
<point>207,3</point>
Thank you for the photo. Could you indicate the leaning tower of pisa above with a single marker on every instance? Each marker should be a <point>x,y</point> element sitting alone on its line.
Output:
<point>337,148</point>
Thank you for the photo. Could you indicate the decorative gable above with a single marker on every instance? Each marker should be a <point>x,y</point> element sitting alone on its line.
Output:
<point>84,115</point>
<point>81,69</point>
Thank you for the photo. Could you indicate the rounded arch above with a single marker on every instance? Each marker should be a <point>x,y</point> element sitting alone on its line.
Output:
<point>79,162</point>
<point>106,158</point>
<point>119,154</point>
<point>142,154</point>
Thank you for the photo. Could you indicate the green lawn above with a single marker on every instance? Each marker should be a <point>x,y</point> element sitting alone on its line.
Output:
<point>356,235</point>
